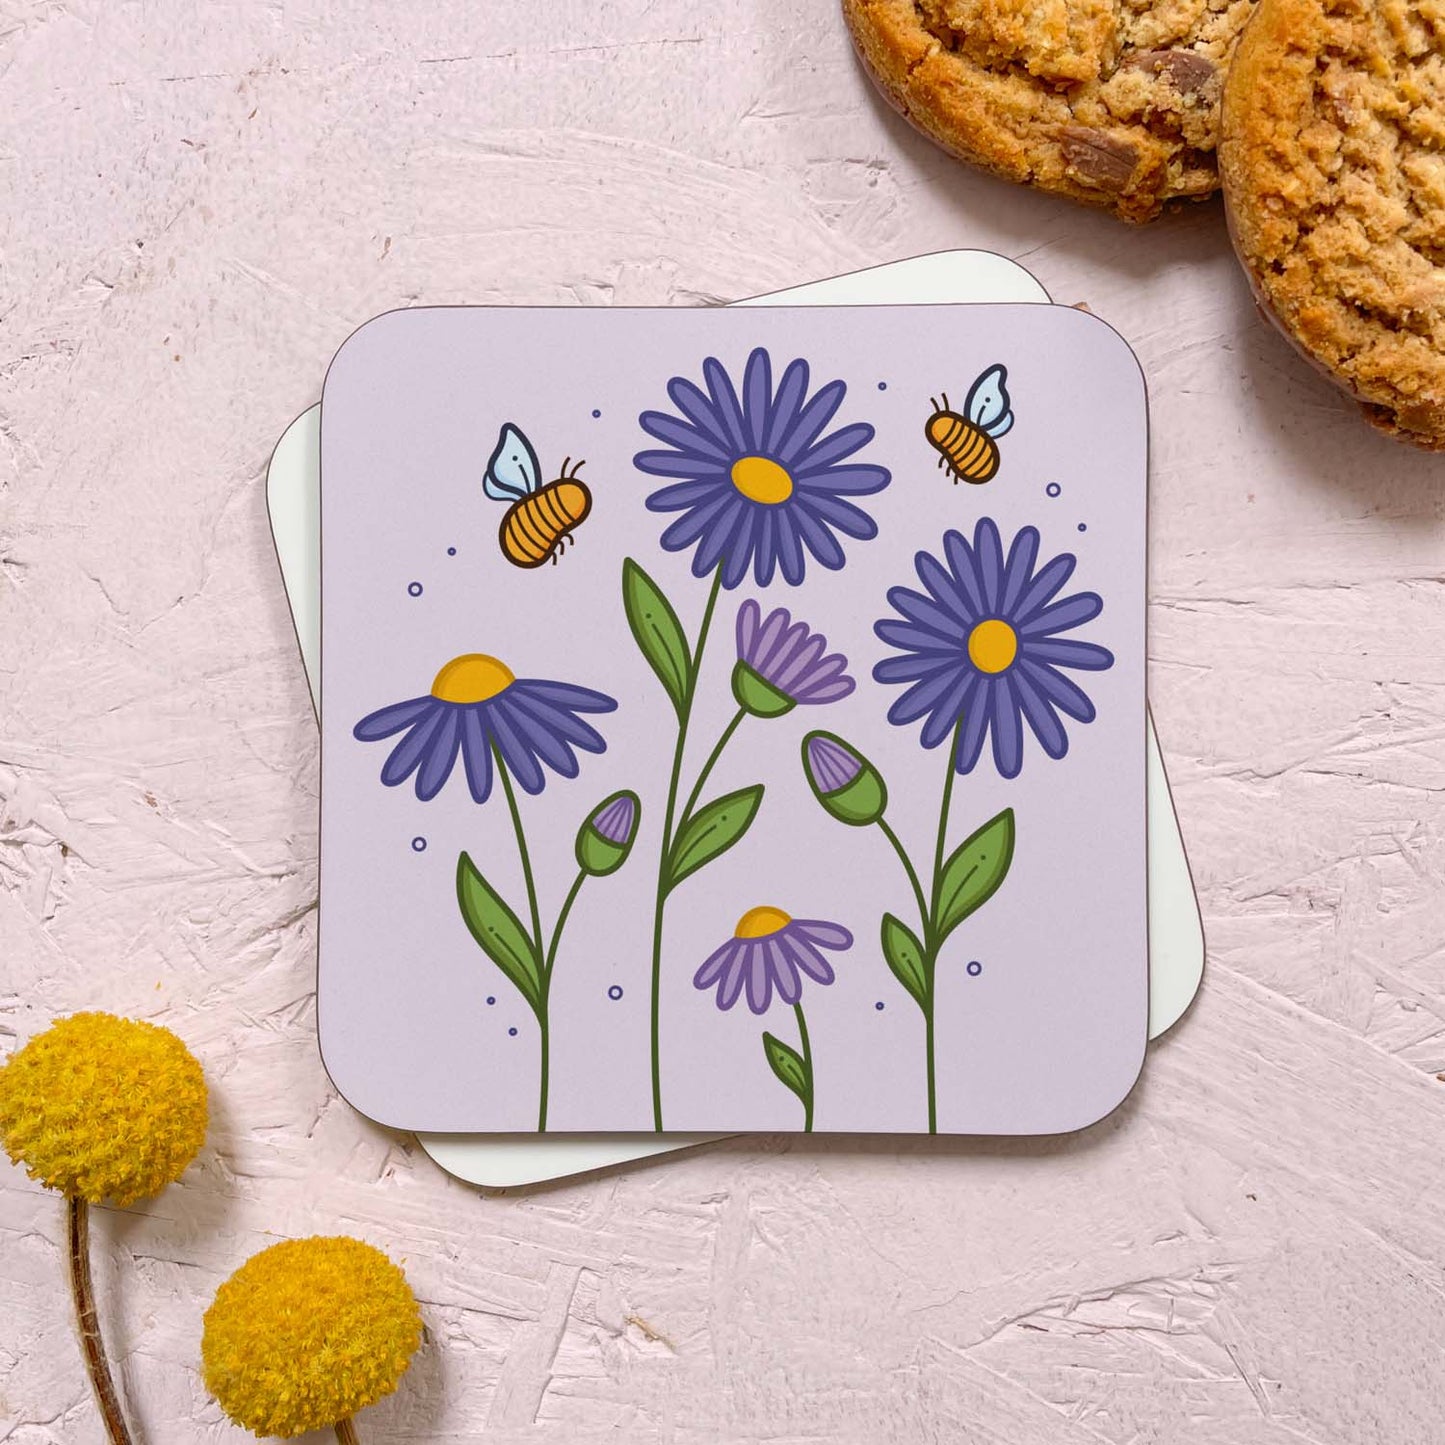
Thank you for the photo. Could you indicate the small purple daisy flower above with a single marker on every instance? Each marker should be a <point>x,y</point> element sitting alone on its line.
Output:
<point>606,838</point>
<point>781,664</point>
<point>770,949</point>
<point>477,705</point>
<point>981,649</point>
<point>760,482</point>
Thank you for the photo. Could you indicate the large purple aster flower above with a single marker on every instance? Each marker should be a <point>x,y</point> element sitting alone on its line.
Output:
<point>782,663</point>
<point>760,481</point>
<point>982,651</point>
<point>477,705</point>
<point>768,950</point>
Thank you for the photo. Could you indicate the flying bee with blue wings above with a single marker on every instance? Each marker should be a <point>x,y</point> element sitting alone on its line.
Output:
<point>967,445</point>
<point>541,518</point>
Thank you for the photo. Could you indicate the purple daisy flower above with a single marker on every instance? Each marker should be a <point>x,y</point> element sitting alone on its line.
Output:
<point>477,706</point>
<point>981,649</point>
<point>760,481</point>
<point>781,663</point>
<point>769,949</point>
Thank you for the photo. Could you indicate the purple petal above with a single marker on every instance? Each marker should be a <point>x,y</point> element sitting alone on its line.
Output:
<point>784,416</point>
<point>688,528</point>
<point>476,755</point>
<point>407,755</point>
<point>682,436</point>
<point>913,638</point>
<point>738,550</point>
<point>796,657</point>
<point>1008,733</point>
<point>818,539</point>
<point>677,464</point>
<point>749,614</point>
<point>975,725</point>
<point>853,481</point>
<point>1021,557</point>
<point>558,720</point>
<point>436,766</point>
<point>717,539</point>
<point>757,393</point>
<point>988,550</point>
<point>1064,652</point>
<point>1046,583</point>
<point>691,402</point>
<point>929,615</point>
<point>1042,719</point>
<point>944,589</point>
<point>732,982</point>
<point>760,979</point>
<point>713,965</point>
<point>541,738</point>
<point>765,554</point>
<point>913,665</point>
<point>725,404</point>
<point>784,971</point>
<point>850,520</point>
<point>810,422</point>
<point>810,960</point>
<point>1073,611</point>
<point>392,719</point>
<point>502,723</point>
<point>822,933</point>
<point>926,695</point>
<point>965,572</point>
<point>790,553</point>
<point>566,694</point>
<point>949,709</point>
<point>682,495</point>
<point>842,443</point>
<point>831,765</point>
<point>615,821</point>
<point>1059,690</point>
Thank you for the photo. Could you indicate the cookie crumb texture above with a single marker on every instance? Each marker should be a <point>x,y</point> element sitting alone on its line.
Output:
<point>1114,103</point>
<point>1333,159</point>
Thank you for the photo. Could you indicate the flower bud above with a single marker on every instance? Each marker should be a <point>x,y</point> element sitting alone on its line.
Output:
<point>606,838</point>
<point>755,693</point>
<point>843,780</point>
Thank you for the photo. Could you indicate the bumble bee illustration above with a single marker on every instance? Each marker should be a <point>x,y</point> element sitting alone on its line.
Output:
<point>967,445</point>
<point>540,519</point>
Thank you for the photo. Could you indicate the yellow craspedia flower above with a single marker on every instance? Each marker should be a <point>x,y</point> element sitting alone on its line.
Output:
<point>307,1333</point>
<point>103,1107</point>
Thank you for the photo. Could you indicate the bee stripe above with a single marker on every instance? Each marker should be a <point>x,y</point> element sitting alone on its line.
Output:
<point>537,524</point>
<point>559,517</point>
<point>531,541</point>
<point>956,430</point>
<point>973,452</point>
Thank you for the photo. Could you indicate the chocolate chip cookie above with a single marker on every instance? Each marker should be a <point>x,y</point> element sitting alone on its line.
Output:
<point>1112,102</point>
<point>1333,158</point>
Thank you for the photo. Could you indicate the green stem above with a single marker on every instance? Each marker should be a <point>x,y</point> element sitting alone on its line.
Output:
<point>561,923</point>
<point>707,767</point>
<point>807,1051</point>
<point>931,943</point>
<point>663,881</point>
<point>536,935</point>
<point>908,868</point>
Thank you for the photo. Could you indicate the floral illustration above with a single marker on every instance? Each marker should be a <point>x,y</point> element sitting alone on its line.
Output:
<point>981,649</point>
<point>780,665</point>
<point>509,727</point>
<point>759,479</point>
<point>772,951</point>
<point>479,708</point>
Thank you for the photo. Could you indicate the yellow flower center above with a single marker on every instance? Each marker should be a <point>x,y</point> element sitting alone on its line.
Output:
<point>761,479</point>
<point>473,677</point>
<point>993,645</point>
<point>760,922</point>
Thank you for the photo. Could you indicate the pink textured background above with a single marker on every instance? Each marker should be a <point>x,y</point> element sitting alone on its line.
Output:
<point>201,202</point>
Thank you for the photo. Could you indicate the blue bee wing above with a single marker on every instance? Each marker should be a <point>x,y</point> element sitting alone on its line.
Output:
<point>512,469</point>
<point>988,406</point>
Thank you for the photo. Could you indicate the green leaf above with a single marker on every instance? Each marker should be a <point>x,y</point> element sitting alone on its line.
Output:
<point>904,955</point>
<point>787,1063</point>
<point>712,830</point>
<point>498,932</point>
<point>975,871</point>
<point>658,632</point>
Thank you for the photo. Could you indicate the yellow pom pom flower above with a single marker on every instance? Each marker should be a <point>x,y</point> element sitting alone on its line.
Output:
<point>102,1107</point>
<point>308,1332</point>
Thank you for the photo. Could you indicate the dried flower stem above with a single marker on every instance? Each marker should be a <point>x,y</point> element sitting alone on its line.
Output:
<point>346,1431</point>
<point>83,1292</point>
